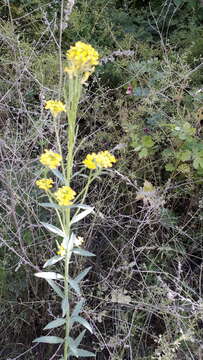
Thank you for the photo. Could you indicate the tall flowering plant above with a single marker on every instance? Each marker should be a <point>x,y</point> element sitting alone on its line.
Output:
<point>68,205</point>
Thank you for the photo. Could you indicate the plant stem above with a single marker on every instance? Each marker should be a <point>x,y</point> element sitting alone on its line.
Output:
<point>72,105</point>
<point>73,100</point>
<point>66,286</point>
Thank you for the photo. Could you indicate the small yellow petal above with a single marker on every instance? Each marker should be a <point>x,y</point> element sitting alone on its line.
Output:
<point>65,195</point>
<point>55,107</point>
<point>44,184</point>
<point>104,159</point>
<point>50,159</point>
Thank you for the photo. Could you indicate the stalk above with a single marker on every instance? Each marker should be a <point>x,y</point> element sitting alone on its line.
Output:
<point>66,288</point>
<point>72,105</point>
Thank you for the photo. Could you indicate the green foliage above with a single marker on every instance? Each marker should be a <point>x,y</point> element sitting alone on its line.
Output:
<point>150,256</point>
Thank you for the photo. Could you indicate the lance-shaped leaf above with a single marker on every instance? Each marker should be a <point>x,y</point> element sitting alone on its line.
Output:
<point>81,352</point>
<point>84,207</point>
<point>49,340</point>
<point>85,353</point>
<point>80,337</point>
<point>50,205</point>
<point>55,323</point>
<point>64,306</point>
<point>74,284</point>
<point>68,242</point>
<point>82,252</point>
<point>82,274</point>
<point>81,321</point>
<point>53,229</point>
<point>82,215</point>
<point>73,346</point>
<point>49,275</point>
<point>56,288</point>
<point>78,308</point>
<point>53,260</point>
<point>59,175</point>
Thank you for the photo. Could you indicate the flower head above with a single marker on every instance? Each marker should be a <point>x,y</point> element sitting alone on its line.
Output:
<point>90,161</point>
<point>55,106</point>
<point>104,159</point>
<point>50,159</point>
<point>82,59</point>
<point>45,184</point>
<point>64,195</point>
<point>61,250</point>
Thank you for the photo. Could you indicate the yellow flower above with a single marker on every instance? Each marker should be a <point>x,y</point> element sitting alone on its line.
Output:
<point>90,161</point>
<point>64,195</point>
<point>82,59</point>
<point>50,159</point>
<point>104,159</point>
<point>45,184</point>
<point>61,250</point>
<point>55,106</point>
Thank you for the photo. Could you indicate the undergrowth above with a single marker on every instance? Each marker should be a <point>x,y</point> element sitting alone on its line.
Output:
<point>144,103</point>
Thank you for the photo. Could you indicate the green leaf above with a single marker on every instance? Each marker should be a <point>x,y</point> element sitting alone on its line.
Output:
<point>178,2</point>
<point>82,252</point>
<point>74,285</point>
<point>55,323</point>
<point>169,167</point>
<point>53,260</point>
<point>56,288</point>
<point>68,242</point>
<point>59,175</point>
<point>81,216</point>
<point>196,163</point>
<point>85,353</point>
<point>73,346</point>
<point>201,162</point>
<point>81,321</point>
<point>80,337</point>
<point>49,275</point>
<point>53,229</point>
<point>84,207</point>
<point>51,205</point>
<point>64,306</point>
<point>143,153</point>
<point>82,274</point>
<point>147,141</point>
<point>78,308</point>
<point>184,155</point>
<point>137,148</point>
<point>141,92</point>
<point>49,340</point>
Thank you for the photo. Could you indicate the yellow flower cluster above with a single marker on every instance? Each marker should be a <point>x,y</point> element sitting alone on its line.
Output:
<point>50,159</point>
<point>45,184</point>
<point>82,60</point>
<point>64,195</point>
<point>104,159</point>
<point>55,107</point>
<point>61,250</point>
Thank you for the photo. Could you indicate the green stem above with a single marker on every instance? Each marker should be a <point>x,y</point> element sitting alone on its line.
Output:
<point>66,287</point>
<point>72,105</point>
<point>60,53</point>
<point>56,128</point>
<point>73,100</point>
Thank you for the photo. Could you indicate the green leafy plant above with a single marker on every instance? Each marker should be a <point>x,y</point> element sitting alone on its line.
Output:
<point>81,62</point>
